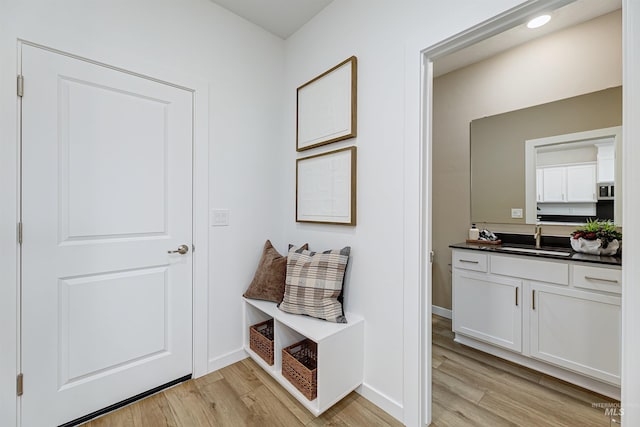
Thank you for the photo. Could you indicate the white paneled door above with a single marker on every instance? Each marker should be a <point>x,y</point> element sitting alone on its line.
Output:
<point>106,194</point>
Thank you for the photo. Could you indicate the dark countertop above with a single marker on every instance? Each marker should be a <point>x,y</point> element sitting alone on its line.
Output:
<point>575,256</point>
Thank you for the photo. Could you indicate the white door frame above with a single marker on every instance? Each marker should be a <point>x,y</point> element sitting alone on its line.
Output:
<point>200,230</point>
<point>418,209</point>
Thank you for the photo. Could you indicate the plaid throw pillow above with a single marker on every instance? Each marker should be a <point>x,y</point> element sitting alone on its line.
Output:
<point>314,284</point>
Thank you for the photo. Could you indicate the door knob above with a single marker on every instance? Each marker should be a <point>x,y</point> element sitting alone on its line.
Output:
<point>182,249</point>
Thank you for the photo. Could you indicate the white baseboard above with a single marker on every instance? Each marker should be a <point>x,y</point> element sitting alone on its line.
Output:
<point>443,312</point>
<point>227,359</point>
<point>382,401</point>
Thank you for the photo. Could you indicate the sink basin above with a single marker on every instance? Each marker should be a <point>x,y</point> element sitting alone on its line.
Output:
<point>535,251</point>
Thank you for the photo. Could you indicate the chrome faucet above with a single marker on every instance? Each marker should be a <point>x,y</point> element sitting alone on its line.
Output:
<point>538,234</point>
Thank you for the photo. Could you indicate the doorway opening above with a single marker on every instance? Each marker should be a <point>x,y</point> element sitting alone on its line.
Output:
<point>430,56</point>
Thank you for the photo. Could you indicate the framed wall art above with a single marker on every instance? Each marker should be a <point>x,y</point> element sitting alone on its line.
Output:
<point>326,107</point>
<point>326,187</point>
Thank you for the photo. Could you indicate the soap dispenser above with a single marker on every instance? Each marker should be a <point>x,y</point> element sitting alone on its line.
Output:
<point>474,233</point>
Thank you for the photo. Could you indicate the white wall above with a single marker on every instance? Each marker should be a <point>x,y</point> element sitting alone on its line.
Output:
<point>377,32</point>
<point>243,66</point>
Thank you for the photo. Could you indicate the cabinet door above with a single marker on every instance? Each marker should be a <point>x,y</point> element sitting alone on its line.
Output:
<point>581,183</point>
<point>576,330</point>
<point>539,185</point>
<point>553,184</point>
<point>488,308</point>
<point>606,169</point>
<point>606,162</point>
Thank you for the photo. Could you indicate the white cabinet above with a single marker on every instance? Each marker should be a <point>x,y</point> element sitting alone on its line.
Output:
<point>530,268</point>
<point>597,278</point>
<point>554,184</point>
<point>567,184</point>
<point>581,183</point>
<point>559,317</point>
<point>577,330</point>
<point>539,184</point>
<point>606,162</point>
<point>340,357</point>
<point>488,308</point>
<point>470,260</point>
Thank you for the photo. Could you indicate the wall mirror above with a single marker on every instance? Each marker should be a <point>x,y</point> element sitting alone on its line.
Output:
<point>503,177</point>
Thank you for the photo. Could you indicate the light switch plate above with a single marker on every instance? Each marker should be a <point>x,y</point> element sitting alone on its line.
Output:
<point>219,217</point>
<point>516,212</point>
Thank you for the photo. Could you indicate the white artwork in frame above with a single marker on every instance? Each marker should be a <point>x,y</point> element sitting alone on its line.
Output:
<point>326,187</point>
<point>326,107</point>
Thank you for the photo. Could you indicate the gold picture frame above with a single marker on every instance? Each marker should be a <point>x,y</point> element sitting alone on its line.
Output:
<point>326,187</point>
<point>326,107</point>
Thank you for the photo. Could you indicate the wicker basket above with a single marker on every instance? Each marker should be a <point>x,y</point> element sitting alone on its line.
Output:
<point>261,340</point>
<point>299,366</point>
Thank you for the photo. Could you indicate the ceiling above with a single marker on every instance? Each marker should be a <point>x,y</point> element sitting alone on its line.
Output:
<point>567,16</point>
<point>285,17</point>
<point>279,17</point>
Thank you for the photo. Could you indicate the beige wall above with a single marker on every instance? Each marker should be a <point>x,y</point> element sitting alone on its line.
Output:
<point>579,60</point>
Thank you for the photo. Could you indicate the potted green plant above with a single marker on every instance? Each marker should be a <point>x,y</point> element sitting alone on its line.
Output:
<point>597,237</point>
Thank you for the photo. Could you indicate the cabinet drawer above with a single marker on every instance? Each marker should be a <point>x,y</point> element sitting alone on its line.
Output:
<point>532,269</point>
<point>597,278</point>
<point>470,260</point>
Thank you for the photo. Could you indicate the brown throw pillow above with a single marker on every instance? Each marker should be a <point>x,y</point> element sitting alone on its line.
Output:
<point>268,282</point>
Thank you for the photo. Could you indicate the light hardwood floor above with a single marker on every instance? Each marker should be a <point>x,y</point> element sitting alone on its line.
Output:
<point>239,395</point>
<point>470,388</point>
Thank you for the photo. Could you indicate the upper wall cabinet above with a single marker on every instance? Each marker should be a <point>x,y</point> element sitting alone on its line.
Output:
<point>554,185</point>
<point>566,184</point>
<point>581,183</point>
<point>606,162</point>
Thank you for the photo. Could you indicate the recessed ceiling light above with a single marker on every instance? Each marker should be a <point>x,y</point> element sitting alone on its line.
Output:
<point>539,21</point>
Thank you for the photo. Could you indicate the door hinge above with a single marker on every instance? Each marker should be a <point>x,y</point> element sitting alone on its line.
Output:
<point>432,255</point>
<point>19,385</point>
<point>20,233</point>
<point>20,86</point>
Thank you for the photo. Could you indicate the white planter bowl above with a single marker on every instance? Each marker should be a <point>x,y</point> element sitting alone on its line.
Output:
<point>594,247</point>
